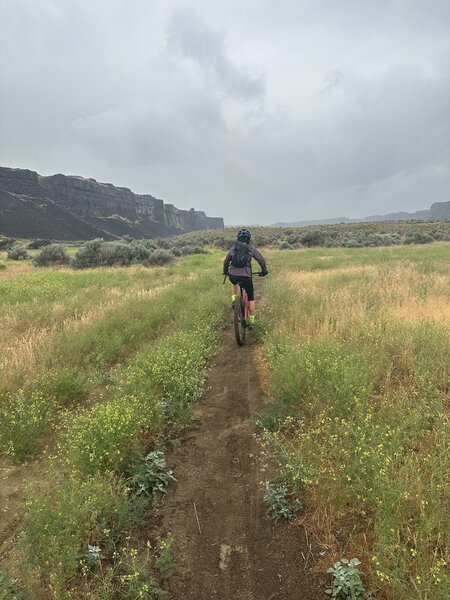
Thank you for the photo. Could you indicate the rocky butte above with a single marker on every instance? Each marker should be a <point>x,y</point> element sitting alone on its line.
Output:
<point>65,207</point>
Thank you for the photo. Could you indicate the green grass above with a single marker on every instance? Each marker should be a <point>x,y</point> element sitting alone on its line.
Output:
<point>357,348</point>
<point>75,362</point>
<point>62,519</point>
<point>120,379</point>
<point>427,257</point>
<point>358,354</point>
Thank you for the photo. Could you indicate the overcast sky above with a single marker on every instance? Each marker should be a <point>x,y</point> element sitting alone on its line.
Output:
<point>255,110</point>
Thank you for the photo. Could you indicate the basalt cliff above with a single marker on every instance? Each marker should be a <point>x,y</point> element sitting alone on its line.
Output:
<point>65,207</point>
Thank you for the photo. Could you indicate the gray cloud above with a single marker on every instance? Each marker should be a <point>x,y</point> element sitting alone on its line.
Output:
<point>250,112</point>
<point>190,36</point>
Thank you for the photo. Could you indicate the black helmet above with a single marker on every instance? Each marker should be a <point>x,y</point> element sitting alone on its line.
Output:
<point>244,236</point>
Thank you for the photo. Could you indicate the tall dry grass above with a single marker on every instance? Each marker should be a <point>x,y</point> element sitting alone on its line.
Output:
<point>358,357</point>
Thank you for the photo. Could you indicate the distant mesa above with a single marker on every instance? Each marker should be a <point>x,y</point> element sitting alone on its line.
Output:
<point>439,211</point>
<point>65,207</point>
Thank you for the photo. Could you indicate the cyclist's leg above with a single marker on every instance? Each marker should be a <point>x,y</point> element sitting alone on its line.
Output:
<point>248,285</point>
<point>234,290</point>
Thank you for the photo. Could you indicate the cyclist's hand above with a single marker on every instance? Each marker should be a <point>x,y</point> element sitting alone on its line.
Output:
<point>264,273</point>
<point>225,273</point>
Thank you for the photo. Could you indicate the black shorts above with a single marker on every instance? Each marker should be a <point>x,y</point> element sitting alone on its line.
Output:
<point>247,284</point>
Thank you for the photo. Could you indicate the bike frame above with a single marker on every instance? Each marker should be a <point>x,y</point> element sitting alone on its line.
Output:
<point>245,300</point>
<point>241,313</point>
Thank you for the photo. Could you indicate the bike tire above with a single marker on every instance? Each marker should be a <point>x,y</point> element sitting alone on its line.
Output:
<point>239,321</point>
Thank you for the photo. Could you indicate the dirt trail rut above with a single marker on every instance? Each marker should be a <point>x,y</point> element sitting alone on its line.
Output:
<point>238,552</point>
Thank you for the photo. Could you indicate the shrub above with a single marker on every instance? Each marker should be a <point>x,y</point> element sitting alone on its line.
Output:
<point>54,254</point>
<point>139,252</point>
<point>150,244</point>
<point>160,257</point>
<point>37,244</point>
<point>6,243</point>
<point>286,246</point>
<point>88,255</point>
<point>313,237</point>
<point>98,253</point>
<point>18,253</point>
<point>115,253</point>
<point>185,250</point>
<point>418,237</point>
<point>351,243</point>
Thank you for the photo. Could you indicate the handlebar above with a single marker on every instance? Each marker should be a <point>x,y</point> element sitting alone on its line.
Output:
<point>259,273</point>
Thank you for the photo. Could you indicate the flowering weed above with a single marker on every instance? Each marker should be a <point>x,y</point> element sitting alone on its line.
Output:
<point>358,356</point>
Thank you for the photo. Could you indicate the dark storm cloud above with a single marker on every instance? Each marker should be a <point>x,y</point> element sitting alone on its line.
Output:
<point>192,38</point>
<point>241,109</point>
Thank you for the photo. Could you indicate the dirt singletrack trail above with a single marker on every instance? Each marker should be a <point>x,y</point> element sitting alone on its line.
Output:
<point>233,550</point>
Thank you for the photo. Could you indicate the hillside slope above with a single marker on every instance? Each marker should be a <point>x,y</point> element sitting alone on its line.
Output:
<point>438,211</point>
<point>68,207</point>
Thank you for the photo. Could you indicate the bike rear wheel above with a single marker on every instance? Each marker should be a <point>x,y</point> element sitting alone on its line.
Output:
<point>239,321</point>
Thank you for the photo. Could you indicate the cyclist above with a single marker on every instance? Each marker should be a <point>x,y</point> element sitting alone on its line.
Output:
<point>237,265</point>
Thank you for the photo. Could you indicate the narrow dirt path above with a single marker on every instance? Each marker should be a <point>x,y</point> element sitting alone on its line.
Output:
<point>234,551</point>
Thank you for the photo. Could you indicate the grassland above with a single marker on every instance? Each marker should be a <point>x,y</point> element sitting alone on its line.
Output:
<point>357,349</point>
<point>98,367</point>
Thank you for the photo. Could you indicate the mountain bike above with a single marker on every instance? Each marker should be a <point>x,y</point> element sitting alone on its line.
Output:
<point>241,313</point>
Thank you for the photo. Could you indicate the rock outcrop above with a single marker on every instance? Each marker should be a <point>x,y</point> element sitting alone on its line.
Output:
<point>73,208</point>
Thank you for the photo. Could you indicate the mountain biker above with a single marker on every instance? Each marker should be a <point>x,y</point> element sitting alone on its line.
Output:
<point>237,265</point>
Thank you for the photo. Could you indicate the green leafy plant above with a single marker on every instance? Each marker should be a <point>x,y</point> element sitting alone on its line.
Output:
<point>347,582</point>
<point>92,555</point>
<point>149,474</point>
<point>278,502</point>
<point>163,558</point>
<point>128,574</point>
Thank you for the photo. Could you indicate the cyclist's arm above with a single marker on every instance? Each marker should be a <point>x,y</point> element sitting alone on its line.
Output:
<point>226,263</point>
<point>262,263</point>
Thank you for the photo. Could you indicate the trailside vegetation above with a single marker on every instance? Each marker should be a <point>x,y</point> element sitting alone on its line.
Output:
<point>101,363</point>
<point>115,358</point>
<point>347,235</point>
<point>357,349</point>
<point>158,251</point>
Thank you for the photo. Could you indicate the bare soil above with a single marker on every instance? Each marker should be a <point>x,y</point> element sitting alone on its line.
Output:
<point>225,545</point>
